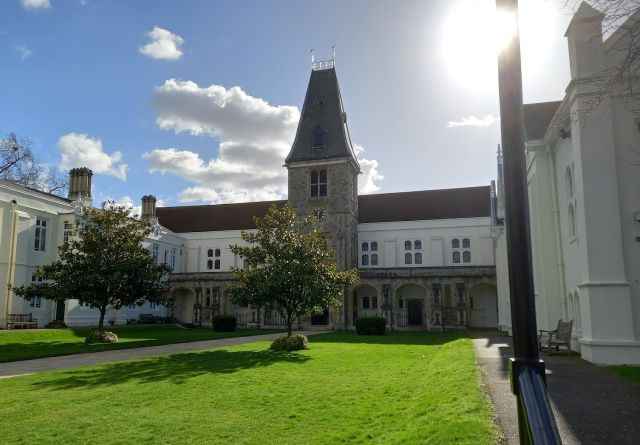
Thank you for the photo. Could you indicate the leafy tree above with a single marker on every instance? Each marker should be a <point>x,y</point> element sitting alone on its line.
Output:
<point>105,266</point>
<point>288,267</point>
<point>18,164</point>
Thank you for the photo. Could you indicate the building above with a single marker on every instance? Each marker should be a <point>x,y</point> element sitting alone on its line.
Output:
<point>426,258</point>
<point>583,174</point>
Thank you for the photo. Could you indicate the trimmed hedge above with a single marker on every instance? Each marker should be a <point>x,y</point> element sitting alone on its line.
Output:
<point>371,326</point>
<point>224,323</point>
<point>293,343</point>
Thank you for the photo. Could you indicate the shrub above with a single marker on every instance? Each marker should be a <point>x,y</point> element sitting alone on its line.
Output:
<point>56,324</point>
<point>371,326</point>
<point>224,323</point>
<point>294,343</point>
<point>101,337</point>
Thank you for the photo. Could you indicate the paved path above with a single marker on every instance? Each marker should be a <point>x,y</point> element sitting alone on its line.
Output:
<point>14,369</point>
<point>592,405</point>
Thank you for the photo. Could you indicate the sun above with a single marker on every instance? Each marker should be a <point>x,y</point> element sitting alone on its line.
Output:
<point>474,32</point>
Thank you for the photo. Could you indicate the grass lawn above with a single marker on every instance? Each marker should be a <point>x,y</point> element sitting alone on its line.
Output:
<point>28,344</point>
<point>409,388</point>
<point>630,372</point>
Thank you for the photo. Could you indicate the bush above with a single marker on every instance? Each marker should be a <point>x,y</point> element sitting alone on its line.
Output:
<point>294,343</point>
<point>56,324</point>
<point>371,326</point>
<point>101,337</point>
<point>224,323</point>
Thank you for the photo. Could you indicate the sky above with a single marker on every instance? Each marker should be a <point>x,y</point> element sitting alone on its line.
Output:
<point>198,101</point>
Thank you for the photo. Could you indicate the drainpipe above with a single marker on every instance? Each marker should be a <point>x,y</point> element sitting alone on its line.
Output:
<point>11,261</point>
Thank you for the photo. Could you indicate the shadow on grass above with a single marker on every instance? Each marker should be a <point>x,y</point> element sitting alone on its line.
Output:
<point>391,338</point>
<point>175,368</point>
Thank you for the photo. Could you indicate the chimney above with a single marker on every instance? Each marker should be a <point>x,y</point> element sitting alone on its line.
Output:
<point>149,208</point>
<point>80,185</point>
<point>586,47</point>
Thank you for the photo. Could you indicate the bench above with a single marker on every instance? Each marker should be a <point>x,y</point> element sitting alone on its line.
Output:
<point>21,321</point>
<point>560,336</point>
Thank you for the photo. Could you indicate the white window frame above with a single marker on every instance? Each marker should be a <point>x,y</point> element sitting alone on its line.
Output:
<point>40,236</point>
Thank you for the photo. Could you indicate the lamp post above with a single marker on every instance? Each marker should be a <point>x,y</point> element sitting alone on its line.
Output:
<point>536,423</point>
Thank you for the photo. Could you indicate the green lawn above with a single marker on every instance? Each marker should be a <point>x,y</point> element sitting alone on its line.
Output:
<point>411,388</point>
<point>630,372</point>
<point>28,344</point>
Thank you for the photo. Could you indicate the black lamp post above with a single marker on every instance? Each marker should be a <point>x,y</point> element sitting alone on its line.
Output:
<point>536,422</point>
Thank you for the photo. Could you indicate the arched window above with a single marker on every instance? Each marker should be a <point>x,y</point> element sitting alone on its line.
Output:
<point>417,244</point>
<point>209,264</point>
<point>455,243</point>
<point>456,257</point>
<point>365,247</point>
<point>466,243</point>
<point>319,137</point>
<point>374,246</point>
<point>418,258</point>
<point>374,259</point>
<point>407,258</point>
<point>466,256</point>
<point>314,184</point>
<point>572,221</point>
<point>217,252</point>
<point>323,182</point>
<point>217,264</point>
<point>365,260</point>
<point>569,179</point>
<point>407,245</point>
<point>210,253</point>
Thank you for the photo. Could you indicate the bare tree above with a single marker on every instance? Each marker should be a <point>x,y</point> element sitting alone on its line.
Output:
<point>18,164</point>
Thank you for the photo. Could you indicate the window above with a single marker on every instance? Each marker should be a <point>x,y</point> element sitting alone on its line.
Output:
<point>417,244</point>
<point>210,253</point>
<point>165,256</point>
<point>374,302</point>
<point>173,258</point>
<point>319,138</point>
<point>155,253</point>
<point>320,214</point>
<point>207,297</point>
<point>455,243</point>
<point>466,243</point>
<point>460,292</point>
<point>209,264</point>
<point>36,301</point>
<point>217,253</point>
<point>418,258</point>
<point>365,302</point>
<point>41,235</point>
<point>318,183</point>
<point>407,245</point>
<point>466,256</point>
<point>68,231</point>
<point>374,246</point>
<point>456,257</point>
<point>374,259</point>
<point>216,265</point>
<point>365,247</point>
<point>572,221</point>
<point>365,260</point>
<point>407,258</point>
<point>569,179</point>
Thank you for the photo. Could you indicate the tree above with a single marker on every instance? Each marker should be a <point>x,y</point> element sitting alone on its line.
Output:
<point>105,266</point>
<point>18,164</point>
<point>288,267</point>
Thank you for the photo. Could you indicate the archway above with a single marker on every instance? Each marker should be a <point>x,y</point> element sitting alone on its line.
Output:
<point>483,303</point>
<point>366,302</point>
<point>412,304</point>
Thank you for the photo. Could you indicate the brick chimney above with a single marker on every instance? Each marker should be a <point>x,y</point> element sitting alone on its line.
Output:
<point>149,208</point>
<point>80,185</point>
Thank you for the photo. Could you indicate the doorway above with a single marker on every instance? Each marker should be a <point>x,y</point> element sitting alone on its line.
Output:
<point>414,312</point>
<point>60,311</point>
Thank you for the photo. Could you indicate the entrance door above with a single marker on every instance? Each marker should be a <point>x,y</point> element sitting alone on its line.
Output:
<point>414,312</point>
<point>60,311</point>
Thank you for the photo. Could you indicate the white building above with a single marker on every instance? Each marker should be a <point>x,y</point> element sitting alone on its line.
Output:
<point>583,172</point>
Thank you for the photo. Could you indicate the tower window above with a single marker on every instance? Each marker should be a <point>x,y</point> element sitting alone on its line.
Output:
<point>318,183</point>
<point>323,182</point>
<point>319,138</point>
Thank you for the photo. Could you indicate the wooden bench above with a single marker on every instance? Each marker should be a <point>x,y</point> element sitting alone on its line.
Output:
<point>560,336</point>
<point>24,321</point>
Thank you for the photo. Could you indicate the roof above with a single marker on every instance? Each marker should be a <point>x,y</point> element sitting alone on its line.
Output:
<point>322,110</point>
<point>537,118</point>
<point>35,190</point>
<point>205,218</point>
<point>467,202</point>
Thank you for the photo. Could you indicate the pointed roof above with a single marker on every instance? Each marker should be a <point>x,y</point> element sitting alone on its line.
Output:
<point>322,111</point>
<point>585,13</point>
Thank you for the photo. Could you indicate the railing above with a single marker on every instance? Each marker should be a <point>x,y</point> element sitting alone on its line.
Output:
<point>318,65</point>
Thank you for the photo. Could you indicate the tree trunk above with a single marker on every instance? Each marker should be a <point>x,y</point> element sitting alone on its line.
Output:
<point>103,310</point>
<point>289,325</point>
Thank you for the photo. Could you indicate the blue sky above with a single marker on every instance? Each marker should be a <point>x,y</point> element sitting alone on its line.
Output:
<point>73,74</point>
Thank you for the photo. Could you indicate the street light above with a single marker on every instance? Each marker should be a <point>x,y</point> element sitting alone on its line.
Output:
<point>536,423</point>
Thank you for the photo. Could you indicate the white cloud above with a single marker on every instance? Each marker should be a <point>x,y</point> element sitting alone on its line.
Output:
<point>163,44</point>
<point>474,121</point>
<point>255,137</point>
<point>35,4</point>
<point>23,51</point>
<point>367,182</point>
<point>81,150</point>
